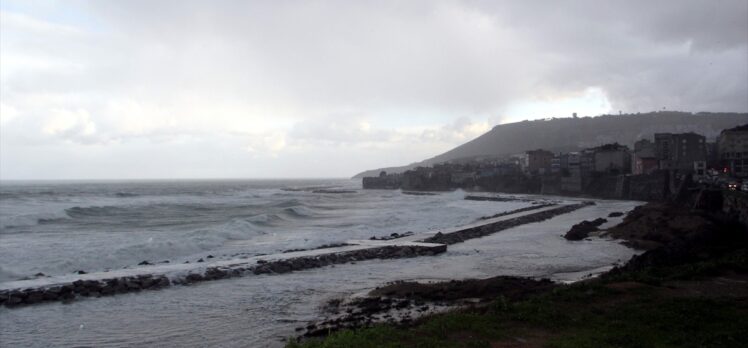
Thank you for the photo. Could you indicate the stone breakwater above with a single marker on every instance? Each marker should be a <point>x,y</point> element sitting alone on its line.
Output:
<point>77,289</point>
<point>491,228</point>
<point>82,288</point>
<point>385,252</point>
<point>494,198</point>
<point>532,207</point>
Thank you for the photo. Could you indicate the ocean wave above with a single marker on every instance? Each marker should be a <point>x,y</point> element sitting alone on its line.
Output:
<point>126,194</point>
<point>238,229</point>
<point>76,212</point>
<point>299,212</point>
<point>28,220</point>
<point>265,219</point>
<point>141,210</point>
<point>287,203</point>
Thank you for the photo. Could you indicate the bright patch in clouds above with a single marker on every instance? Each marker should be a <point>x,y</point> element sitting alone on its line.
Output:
<point>591,102</point>
<point>189,89</point>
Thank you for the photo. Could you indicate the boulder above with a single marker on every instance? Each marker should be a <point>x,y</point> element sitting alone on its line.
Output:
<point>583,229</point>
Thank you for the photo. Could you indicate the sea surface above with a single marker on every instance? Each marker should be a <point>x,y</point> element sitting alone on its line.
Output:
<point>50,229</point>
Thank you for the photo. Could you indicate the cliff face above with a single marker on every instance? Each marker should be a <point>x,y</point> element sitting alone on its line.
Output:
<point>571,134</point>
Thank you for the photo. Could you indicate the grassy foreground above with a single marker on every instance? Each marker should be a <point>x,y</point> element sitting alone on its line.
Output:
<point>702,302</point>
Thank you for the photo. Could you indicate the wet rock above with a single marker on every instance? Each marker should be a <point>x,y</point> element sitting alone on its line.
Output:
<point>615,214</point>
<point>215,273</point>
<point>131,284</point>
<point>34,296</point>
<point>13,299</point>
<point>162,281</point>
<point>81,272</point>
<point>107,290</point>
<point>40,274</point>
<point>583,229</point>
<point>144,263</point>
<point>52,294</point>
<point>193,278</point>
<point>200,260</point>
<point>146,281</point>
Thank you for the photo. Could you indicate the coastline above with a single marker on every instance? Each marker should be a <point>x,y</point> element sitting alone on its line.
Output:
<point>689,252</point>
<point>534,249</point>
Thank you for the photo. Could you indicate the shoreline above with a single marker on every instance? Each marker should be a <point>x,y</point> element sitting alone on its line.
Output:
<point>682,236</point>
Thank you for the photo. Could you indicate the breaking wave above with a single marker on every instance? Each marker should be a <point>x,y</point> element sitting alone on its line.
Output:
<point>266,219</point>
<point>299,212</point>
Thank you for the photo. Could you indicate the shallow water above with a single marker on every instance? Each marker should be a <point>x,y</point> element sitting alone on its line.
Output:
<point>185,222</point>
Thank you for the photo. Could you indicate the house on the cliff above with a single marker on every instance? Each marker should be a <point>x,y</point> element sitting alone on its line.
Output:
<point>571,173</point>
<point>612,159</point>
<point>682,152</point>
<point>733,151</point>
<point>539,161</point>
<point>643,159</point>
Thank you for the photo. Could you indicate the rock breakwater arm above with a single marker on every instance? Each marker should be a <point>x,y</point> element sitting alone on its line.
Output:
<point>107,285</point>
<point>491,228</point>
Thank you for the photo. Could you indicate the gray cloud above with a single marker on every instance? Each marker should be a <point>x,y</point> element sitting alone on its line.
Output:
<point>273,82</point>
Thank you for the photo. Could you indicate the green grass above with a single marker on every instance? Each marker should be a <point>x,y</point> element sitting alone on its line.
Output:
<point>658,322</point>
<point>572,317</point>
<point>736,261</point>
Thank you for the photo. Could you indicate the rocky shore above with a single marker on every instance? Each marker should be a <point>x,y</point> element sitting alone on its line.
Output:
<point>583,229</point>
<point>685,251</point>
<point>404,302</point>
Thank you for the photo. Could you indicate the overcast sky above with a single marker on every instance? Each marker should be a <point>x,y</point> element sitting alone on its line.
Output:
<point>244,89</point>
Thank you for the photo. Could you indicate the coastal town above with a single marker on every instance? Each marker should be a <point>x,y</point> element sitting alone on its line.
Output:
<point>654,169</point>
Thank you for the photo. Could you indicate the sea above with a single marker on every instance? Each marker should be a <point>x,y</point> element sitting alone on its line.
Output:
<point>55,229</point>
